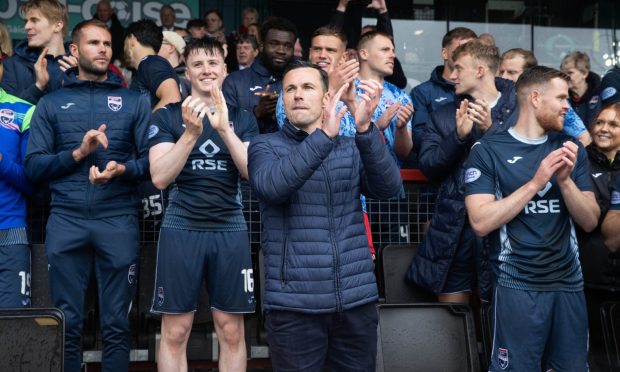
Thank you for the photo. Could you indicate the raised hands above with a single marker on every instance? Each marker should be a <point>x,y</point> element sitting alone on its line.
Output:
<point>66,62</point>
<point>404,116</point>
<point>91,140</point>
<point>369,100</point>
<point>345,73</point>
<point>266,106</point>
<point>464,123</point>
<point>480,113</point>
<point>561,162</point>
<point>218,114</point>
<point>192,111</point>
<point>40,70</point>
<point>331,118</point>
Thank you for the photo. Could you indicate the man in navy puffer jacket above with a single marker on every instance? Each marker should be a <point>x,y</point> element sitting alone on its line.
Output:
<point>89,141</point>
<point>320,289</point>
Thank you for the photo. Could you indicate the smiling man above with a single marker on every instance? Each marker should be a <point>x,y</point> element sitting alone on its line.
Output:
<point>92,175</point>
<point>37,66</point>
<point>256,88</point>
<point>526,188</point>
<point>204,234</point>
<point>446,259</point>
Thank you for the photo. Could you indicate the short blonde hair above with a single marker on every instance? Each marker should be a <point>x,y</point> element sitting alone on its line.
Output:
<point>50,9</point>
<point>6,45</point>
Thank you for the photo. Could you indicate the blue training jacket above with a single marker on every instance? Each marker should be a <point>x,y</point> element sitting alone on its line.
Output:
<point>308,186</point>
<point>58,126</point>
<point>19,77</point>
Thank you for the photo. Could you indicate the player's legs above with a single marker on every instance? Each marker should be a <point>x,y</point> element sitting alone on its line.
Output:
<point>15,275</point>
<point>70,263</point>
<point>230,283</point>
<point>231,337</point>
<point>567,347</point>
<point>353,339</point>
<point>178,277</point>
<point>522,322</point>
<point>458,284</point>
<point>116,268</point>
<point>175,330</point>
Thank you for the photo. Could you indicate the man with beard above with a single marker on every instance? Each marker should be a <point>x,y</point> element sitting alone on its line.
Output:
<point>89,141</point>
<point>526,188</point>
<point>256,88</point>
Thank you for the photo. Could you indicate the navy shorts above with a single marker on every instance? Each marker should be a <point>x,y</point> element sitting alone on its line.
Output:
<point>537,331</point>
<point>15,275</point>
<point>186,257</point>
<point>461,272</point>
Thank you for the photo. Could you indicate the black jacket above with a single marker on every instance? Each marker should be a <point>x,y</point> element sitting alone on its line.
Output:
<point>588,106</point>
<point>601,268</point>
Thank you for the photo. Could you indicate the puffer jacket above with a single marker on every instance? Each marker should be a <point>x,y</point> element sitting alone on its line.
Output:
<point>601,269</point>
<point>19,77</point>
<point>58,126</point>
<point>316,252</point>
<point>442,159</point>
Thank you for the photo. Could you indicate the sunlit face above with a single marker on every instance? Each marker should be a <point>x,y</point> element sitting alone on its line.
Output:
<point>303,93</point>
<point>379,55</point>
<point>606,131</point>
<point>553,104</point>
<point>511,68</point>
<point>326,51</point>
<point>204,69</point>
<point>465,74</point>
<point>246,54</point>
<point>93,51</point>
<point>167,17</point>
<point>39,29</point>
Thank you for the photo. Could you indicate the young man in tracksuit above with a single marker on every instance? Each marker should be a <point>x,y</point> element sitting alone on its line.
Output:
<point>37,66</point>
<point>15,115</point>
<point>89,141</point>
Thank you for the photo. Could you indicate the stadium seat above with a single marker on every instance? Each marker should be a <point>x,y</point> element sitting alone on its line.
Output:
<point>32,340</point>
<point>395,261</point>
<point>431,337</point>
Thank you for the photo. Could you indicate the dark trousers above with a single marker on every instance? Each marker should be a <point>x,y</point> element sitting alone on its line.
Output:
<point>109,245</point>
<point>304,342</point>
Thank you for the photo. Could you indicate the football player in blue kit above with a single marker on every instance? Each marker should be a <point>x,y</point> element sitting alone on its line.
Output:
<point>204,234</point>
<point>526,187</point>
<point>611,224</point>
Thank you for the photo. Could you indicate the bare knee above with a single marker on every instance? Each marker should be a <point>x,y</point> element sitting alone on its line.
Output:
<point>229,328</point>
<point>175,329</point>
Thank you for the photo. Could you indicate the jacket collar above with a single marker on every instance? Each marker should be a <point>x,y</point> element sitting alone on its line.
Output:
<point>259,68</point>
<point>71,79</point>
<point>598,157</point>
<point>290,131</point>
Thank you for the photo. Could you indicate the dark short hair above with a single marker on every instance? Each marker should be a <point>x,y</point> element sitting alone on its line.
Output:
<point>166,6</point>
<point>368,36</point>
<point>195,23</point>
<point>209,44</point>
<point>330,30</point>
<point>249,39</point>
<point>457,33</point>
<point>480,51</point>
<point>277,23</point>
<point>147,33</point>
<point>296,64</point>
<point>527,55</point>
<point>77,30</point>
<point>537,76</point>
<point>220,16</point>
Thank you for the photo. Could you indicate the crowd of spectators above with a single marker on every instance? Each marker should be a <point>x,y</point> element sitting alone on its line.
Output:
<point>183,114</point>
